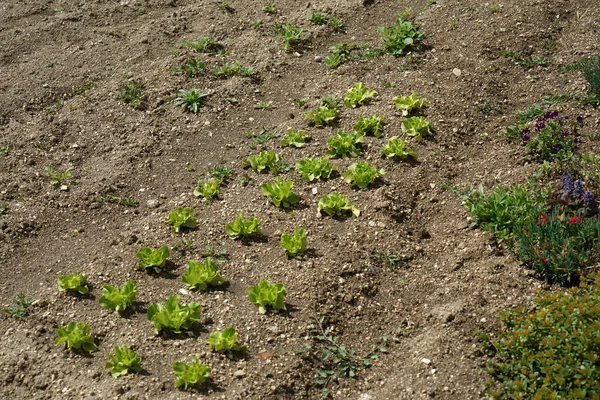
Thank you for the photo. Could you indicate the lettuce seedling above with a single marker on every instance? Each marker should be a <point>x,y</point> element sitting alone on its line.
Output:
<point>409,103</point>
<point>73,283</point>
<point>266,295</point>
<point>241,228</point>
<point>344,144</point>
<point>182,218</point>
<point>209,189</point>
<point>404,35</point>
<point>417,127</point>
<point>123,361</point>
<point>118,299</point>
<point>358,95</point>
<point>172,317</point>
<point>323,115</point>
<point>262,161</point>
<point>398,148</point>
<point>155,259</point>
<point>193,375</point>
<point>315,168</point>
<point>76,336</point>
<point>226,341</point>
<point>369,125</point>
<point>336,203</point>
<point>294,245</point>
<point>362,174</point>
<point>294,139</point>
<point>290,33</point>
<point>280,193</point>
<point>200,276</point>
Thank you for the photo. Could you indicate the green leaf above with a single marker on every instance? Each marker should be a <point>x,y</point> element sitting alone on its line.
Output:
<point>336,203</point>
<point>226,341</point>
<point>209,189</point>
<point>280,193</point>
<point>294,139</point>
<point>76,336</point>
<point>370,125</point>
<point>397,148</point>
<point>362,174</point>
<point>172,317</point>
<point>192,375</point>
<point>266,295</point>
<point>315,168</point>
<point>155,259</point>
<point>358,95</point>
<point>182,218</point>
<point>73,283</point>
<point>200,276</point>
<point>417,127</point>
<point>123,361</point>
<point>241,228</point>
<point>409,103</point>
<point>405,34</point>
<point>344,144</point>
<point>118,299</point>
<point>323,115</point>
<point>263,161</point>
<point>294,245</point>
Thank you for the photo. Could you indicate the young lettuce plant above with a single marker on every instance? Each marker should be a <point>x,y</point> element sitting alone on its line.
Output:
<point>344,144</point>
<point>200,276</point>
<point>315,168</point>
<point>182,218</point>
<point>172,317</point>
<point>226,341</point>
<point>76,335</point>
<point>190,376</point>
<point>266,295</point>
<point>338,204</point>
<point>262,161</point>
<point>241,228</point>
<point>417,127</point>
<point>73,283</point>
<point>358,95</point>
<point>325,114</point>
<point>294,245</point>
<point>407,104</point>
<point>369,125</point>
<point>294,139</point>
<point>401,37</point>
<point>362,174</point>
<point>123,361</point>
<point>398,148</point>
<point>290,33</point>
<point>155,259</point>
<point>118,299</point>
<point>280,193</point>
<point>209,189</point>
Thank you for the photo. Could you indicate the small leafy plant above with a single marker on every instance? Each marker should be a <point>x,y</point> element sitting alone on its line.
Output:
<point>553,138</point>
<point>200,276</point>
<point>123,361</point>
<point>417,127</point>
<point>118,299</point>
<point>21,309</point>
<point>362,174</point>
<point>191,100</point>
<point>358,95</point>
<point>318,18</point>
<point>344,144</point>
<point>280,193</point>
<point>190,376</point>
<point>315,168</point>
<point>266,295</point>
<point>263,105</point>
<point>132,94</point>
<point>172,317</point>
<point>221,172</point>
<point>155,259</point>
<point>294,139</point>
<point>226,341</point>
<point>191,67</point>
<point>397,148</point>
<point>405,35</point>
<point>203,45</point>
<point>182,218</point>
<point>73,283</point>
<point>270,8</point>
<point>290,33</point>
<point>241,228</point>
<point>236,69</point>
<point>336,24</point>
<point>372,125</point>
<point>209,188</point>
<point>322,116</point>
<point>57,178</point>
<point>591,71</point>
<point>77,336</point>
<point>265,160</point>
<point>294,245</point>
<point>408,104</point>
<point>338,204</point>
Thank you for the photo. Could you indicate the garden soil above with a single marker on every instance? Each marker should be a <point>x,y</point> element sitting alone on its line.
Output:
<point>64,62</point>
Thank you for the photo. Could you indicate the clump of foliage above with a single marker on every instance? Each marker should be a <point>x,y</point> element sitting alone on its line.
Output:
<point>290,33</point>
<point>551,351</point>
<point>172,317</point>
<point>190,376</point>
<point>315,168</point>
<point>358,95</point>
<point>372,125</point>
<point>236,69</point>
<point>263,161</point>
<point>397,148</point>
<point>528,62</point>
<point>123,361</point>
<point>344,52</point>
<point>191,67</point>
<point>294,245</point>
<point>203,45</point>
<point>591,71</point>
<point>182,218</point>
<point>77,336</point>
<point>201,276</point>
<point>417,127</point>
<point>407,104</point>
<point>74,283</point>
<point>280,193</point>
<point>337,204</point>
<point>397,40</point>
<point>226,341</point>
<point>21,309</point>
<point>336,24</point>
<point>344,144</point>
<point>209,188</point>
<point>325,114</point>
<point>294,139</point>
<point>241,228</point>
<point>132,94</point>
<point>118,299</point>
<point>57,178</point>
<point>155,259</point>
<point>268,295</point>
<point>221,172</point>
<point>318,18</point>
<point>362,174</point>
<point>270,8</point>
<point>191,100</point>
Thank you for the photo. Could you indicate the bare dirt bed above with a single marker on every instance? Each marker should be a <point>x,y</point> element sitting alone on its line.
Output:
<point>450,279</point>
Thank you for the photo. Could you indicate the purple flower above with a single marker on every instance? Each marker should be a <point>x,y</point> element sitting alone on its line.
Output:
<point>588,200</point>
<point>578,190</point>
<point>526,139</point>
<point>557,147</point>
<point>580,121</point>
<point>567,184</point>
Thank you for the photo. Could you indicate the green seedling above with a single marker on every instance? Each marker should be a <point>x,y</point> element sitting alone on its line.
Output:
<point>337,204</point>
<point>270,9</point>
<point>191,100</point>
<point>201,276</point>
<point>398,148</point>
<point>241,228</point>
<point>263,161</point>
<point>118,299</point>
<point>294,139</point>
<point>336,24</point>
<point>322,116</point>
<point>191,376</point>
<point>407,104</point>
<point>344,144</point>
<point>224,5</point>
<point>4,150</point>
<point>417,127</point>
<point>73,283</point>
<point>21,309</point>
<point>358,95</point>
<point>57,178</point>
<point>221,172</point>
<point>172,317</point>
<point>268,295</point>
<point>290,33</point>
<point>209,188</point>
<point>280,193</point>
<point>203,45</point>
<point>236,69</point>
<point>262,105</point>
<point>77,336</point>
<point>294,245</point>
<point>226,341</point>
<point>315,168</point>
<point>191,67</point>
<point>182,218</point>
<point>132,94</point>
<point>155,259</point>
<point>397,40</point>
<point>362,174</point>
<point>372,125</point>
<point>318,18</point>
<point>123,361</point>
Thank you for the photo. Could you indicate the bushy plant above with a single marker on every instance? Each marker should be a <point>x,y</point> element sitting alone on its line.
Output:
<point>268,295</point>
<point>294,139</point>
<point>191,100</point>
<point>397,148</point>
<point>344,144</point>
<point>226,341</point>
<point>155,259</point>
<point>263,161</point>
<point>173,317</point>
<point>407,104</point>
<point>290,33</point>
<point>200,276</point>
<point>123,361</point>
<point>294,245</point>
<point>417,127</point>
<point>76,335</point>
<point>362,174</point>
<point>338,204</point>
<point>118,299</point>
<point>403,36</point>
<point>315,168</point>
<point>241,228</point>
<point>191,67</point>
<point>132,94</point>
<point>325,114</point>
<point>358,95</point>
<point>318,18</point>
<point>73,283</point>
<point>372,125</point>
<point>182,218</point>
<point>192,375</point>
<point>280,193</point>
<point>209,188</point>
<point>553,138</point>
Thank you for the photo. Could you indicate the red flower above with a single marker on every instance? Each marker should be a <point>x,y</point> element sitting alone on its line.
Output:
<point>544,260</point>
<point>543,219</point>
<point>575,220</point>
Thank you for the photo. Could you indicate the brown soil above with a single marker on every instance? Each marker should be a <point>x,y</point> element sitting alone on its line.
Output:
<point>451,278</point>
